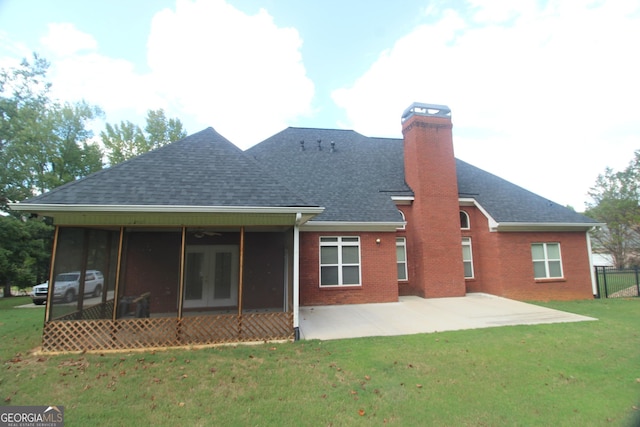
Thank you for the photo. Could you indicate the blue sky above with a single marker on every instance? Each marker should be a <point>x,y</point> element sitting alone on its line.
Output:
<point>543,93</point>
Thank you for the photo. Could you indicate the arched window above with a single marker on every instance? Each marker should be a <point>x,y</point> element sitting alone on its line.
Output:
<point>464,220</point>
<point>403,219</point>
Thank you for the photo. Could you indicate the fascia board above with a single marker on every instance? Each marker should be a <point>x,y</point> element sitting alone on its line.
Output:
<point>402,200</point>
<point>350,226</point>
<point>465,201</point>
<point>495,226</point>
<point>541,226</point>
<point>52,208</point>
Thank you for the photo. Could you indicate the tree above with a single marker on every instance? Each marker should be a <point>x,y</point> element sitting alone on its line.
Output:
<point>127,140</point>
<point>25,250</point>
<point>43,143</point>
<point>161,131</point>
<point>616,198</point>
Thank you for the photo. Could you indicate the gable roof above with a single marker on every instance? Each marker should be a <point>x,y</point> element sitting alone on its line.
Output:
<point>203,169</point>
<point>354,179</point>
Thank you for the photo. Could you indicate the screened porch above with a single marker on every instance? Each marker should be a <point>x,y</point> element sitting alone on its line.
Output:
<point>143,287</point>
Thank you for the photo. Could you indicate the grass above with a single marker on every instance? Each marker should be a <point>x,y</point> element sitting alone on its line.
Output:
<point>585,374</point>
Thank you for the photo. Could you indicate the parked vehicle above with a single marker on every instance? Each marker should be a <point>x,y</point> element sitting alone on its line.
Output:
<point>67,287</point>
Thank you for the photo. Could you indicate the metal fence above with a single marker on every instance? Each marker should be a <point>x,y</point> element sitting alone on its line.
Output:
<point>617,283</point>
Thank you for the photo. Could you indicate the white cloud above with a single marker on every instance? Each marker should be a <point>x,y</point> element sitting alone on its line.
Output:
<point>209,65</point>
<point>64,39</point>
<point>241,74</point>
<point>543,97</point>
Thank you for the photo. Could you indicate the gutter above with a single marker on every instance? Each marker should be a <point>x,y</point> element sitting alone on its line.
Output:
<point>528,226</point>
<point>38,208</point>
<point>544,226</point>
<point>351,226</point>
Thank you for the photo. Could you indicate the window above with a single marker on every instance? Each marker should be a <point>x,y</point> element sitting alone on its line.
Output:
<point>464,220</point>
<point>404,219</point>
<point>401,255</point>
<point>339,261</point>
<point>467,257</point>
<point>547,262</point>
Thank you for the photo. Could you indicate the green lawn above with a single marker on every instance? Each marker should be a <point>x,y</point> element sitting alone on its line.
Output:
<point>574,374</point>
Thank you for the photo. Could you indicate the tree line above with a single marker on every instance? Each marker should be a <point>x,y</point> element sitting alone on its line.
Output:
<point>45,143</point>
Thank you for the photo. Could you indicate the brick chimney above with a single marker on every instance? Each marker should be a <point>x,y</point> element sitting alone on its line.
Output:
<point>434,240</point>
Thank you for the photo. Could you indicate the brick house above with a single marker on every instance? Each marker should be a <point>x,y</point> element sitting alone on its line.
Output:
<point>223,245</point>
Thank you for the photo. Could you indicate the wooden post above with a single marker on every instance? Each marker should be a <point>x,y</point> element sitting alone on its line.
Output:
<point>183,250</point>
<point>118,271</point>
<point>240,280</point>
<point>83,273</point>
<point>47,314</point>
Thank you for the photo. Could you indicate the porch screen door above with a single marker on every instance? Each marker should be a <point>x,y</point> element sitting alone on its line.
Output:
<point>211,276</point>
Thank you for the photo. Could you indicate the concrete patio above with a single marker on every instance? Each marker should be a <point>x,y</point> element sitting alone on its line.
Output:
<point>414,315</point>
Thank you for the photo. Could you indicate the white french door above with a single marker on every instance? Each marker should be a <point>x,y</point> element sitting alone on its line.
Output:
<point>211,276</point>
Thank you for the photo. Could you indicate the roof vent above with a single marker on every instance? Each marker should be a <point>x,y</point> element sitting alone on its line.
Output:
<point>302,145</point>
<point>426,110</point>
<point>333,146</point>
<point>319,145</point>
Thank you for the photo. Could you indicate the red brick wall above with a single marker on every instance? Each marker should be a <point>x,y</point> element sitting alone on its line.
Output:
<point>434,228</point>
<point>503,265</point>
<point>377,268</point>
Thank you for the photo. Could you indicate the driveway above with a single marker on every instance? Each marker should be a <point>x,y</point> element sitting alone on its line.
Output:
<point>414,315</point>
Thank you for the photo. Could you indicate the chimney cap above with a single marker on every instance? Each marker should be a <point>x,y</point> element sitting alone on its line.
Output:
<point>428,110</point>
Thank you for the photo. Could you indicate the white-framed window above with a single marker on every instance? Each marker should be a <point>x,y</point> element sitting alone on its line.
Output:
<point>464,220</point>
<point>401,255</point>
<point>467,258</point>
<point>340,261</point>
<point>547,261</point>
<point>404,219</point>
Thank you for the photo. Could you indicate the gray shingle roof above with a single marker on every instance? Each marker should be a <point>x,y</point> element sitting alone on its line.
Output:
<point>354,181</point>
<point>507,202</point>
<point>203,169</point>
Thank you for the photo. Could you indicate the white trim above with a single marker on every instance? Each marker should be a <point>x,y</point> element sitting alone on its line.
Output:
<point>350,226</point>
<point>542,226</point>
<point>594,285</point>
<point>527,226</point>
<point>340,264</point>
<point>547,260</point>
<point>41,207</point>
<point>470,244</point>
<point>466,201</point>
<point>466,215</point>
<point>403,244</point>
<point>402,200</point>
<point>296,271</point>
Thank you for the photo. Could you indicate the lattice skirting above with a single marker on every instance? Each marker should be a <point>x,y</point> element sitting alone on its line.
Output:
<point>121,334</point>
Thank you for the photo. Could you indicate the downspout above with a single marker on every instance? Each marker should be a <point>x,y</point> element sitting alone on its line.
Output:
<point>296,276</point>
<point>593,274</point>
